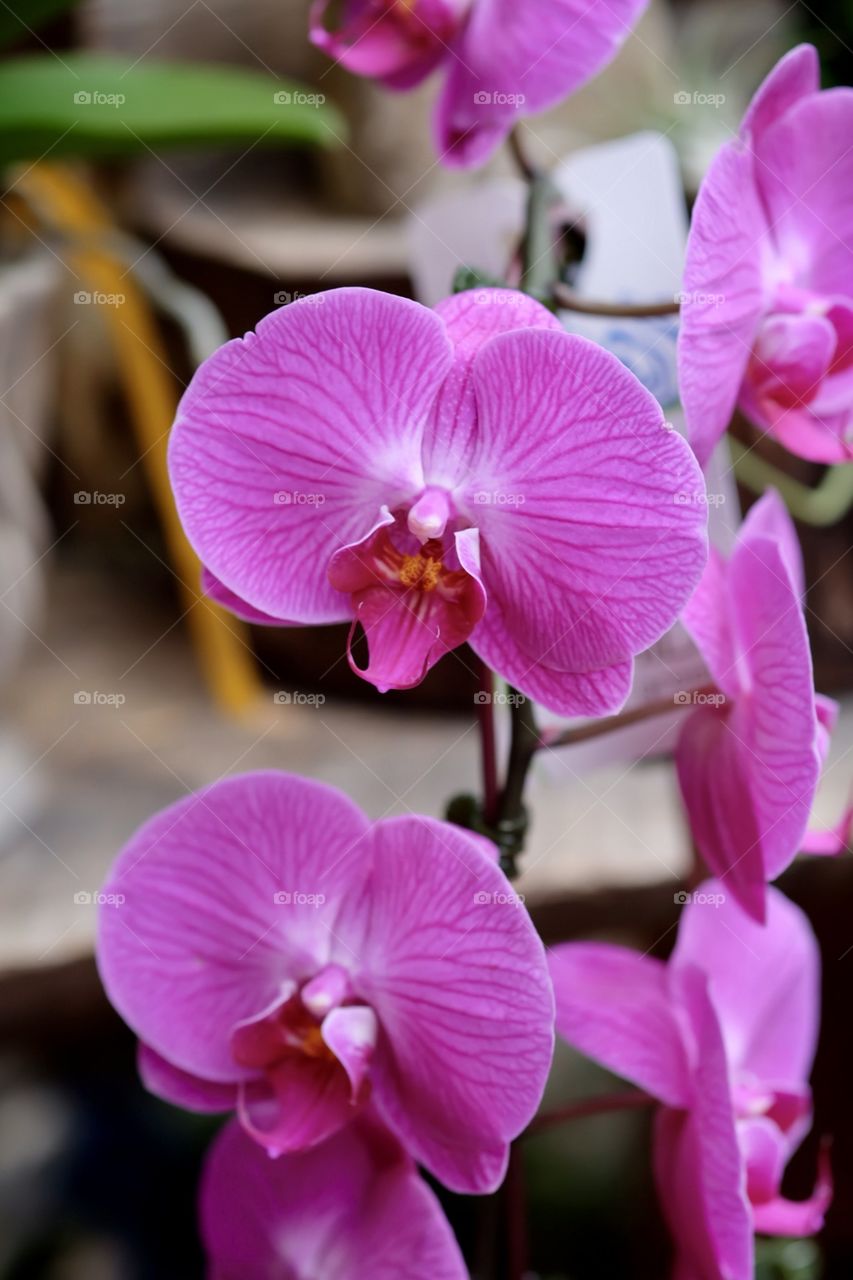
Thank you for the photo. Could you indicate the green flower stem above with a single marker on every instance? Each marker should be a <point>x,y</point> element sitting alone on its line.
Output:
<point>823,505</point>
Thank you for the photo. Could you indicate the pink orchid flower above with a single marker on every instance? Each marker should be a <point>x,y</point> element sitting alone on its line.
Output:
<point>352,1207</point>
<point>749,759</point>
<point>724,1036</point>
<point>470,473</point>
<point>277,952</point>
<point>503,59</point>
<point>767,309</point>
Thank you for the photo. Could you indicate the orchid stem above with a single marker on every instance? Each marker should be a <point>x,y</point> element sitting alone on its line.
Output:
<point>567,300</point>
<point>627,1100</point>
<point>526,168</point>
<point>610,724</point>
<point>486,715</point>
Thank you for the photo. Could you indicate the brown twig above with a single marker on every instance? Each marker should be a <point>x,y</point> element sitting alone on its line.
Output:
<point>568,300</point>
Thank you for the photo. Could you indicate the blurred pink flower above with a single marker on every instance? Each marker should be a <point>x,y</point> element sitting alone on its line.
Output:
<point>749,760</point>
<point>503,59</point>
<point>724,1036</point>
<point>767,306</point>
<point>352,1207</point>
<point>276,951</point>
<point>469,473</point>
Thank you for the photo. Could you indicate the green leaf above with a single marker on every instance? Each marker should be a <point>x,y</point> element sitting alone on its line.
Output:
<point>20,18</point>
<point>99,105</point>
<point>467,278</point>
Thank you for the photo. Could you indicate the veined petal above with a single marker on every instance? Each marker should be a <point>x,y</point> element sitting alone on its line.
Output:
<point>179,1087</point>
<point>795,76</point>
<point>458,979</point>
<point>592,523</point>
<point>700,1172</point>
<point>513,61</point>
<point>217,591</point>
<point>804,171</point>
<point>776,724</point>
<point>707,618</point>
<point>763,980</point>
<point>349,1208</point>
<point>289,441</point>
<point>614,1005</point>
<point>214,924</point>
<point>472,319</point>
<point>723,295</point>
<point>769,518</point>
<point>712,774</point>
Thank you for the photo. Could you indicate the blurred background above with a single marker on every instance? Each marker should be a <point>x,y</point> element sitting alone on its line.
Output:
<point>172,171</point>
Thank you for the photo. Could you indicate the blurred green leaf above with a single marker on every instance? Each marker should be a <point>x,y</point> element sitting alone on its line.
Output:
<point>787,1260</point>
<point>20,18</point>
<point>99,105</point>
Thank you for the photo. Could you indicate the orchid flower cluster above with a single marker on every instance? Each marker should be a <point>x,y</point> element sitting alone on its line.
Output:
<point>368,997</point>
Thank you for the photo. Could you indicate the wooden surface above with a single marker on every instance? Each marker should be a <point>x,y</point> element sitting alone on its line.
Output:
<point>78,778</point>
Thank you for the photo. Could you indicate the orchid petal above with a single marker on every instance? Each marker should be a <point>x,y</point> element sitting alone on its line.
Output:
<point>769,1020</point>
<point>512,61</point>
<point>795,76</point>
<point>592,531</point>
<point>457,976</point>
<point>349,1208</point>
<point>212,927</point>
<point>722,298</point>
<point>613,1005</point>
<point>179,1087</point>
<point>290,440</point>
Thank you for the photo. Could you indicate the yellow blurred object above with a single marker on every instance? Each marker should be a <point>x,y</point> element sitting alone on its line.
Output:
<point>65,206</point>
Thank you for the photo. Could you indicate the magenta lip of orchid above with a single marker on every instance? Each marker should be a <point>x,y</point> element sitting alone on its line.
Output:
<point>278,954</point>
<point>767,311</point>
<point>502,59</point>
<point>724,1036</point>
<point>469,473</point>
<point>749,766</point>
<point>351,1207</point>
